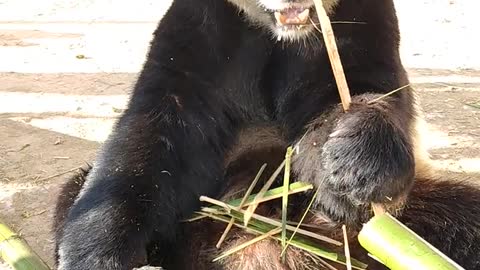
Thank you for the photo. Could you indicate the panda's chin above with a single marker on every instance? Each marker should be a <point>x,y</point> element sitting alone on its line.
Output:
<point>292,32</point>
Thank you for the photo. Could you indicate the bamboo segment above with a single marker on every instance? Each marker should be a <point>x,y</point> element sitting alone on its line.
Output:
<point>286,184</point>
<point>399,248</point>
<point>333,54</point>
<point>15,251</point>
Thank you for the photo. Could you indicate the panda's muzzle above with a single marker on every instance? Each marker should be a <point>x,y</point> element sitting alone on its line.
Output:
<point>292,16</point>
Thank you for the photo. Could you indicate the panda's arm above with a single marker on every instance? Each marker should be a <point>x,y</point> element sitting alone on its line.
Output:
<point>162,156</point>
<point>166,150</point>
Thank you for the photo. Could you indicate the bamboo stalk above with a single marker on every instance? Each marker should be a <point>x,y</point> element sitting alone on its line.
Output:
<point>275,193</point>
<point>399,248</point>
<point>252,207</point>
<point>258,227</point>
<point>286,184</point>
<point>16,252</point>
<point>347,247</point>
<point>301,220</point>
<point>248,243</point>
<point>275,223</point>
<point>333,55</point>
<point>244,199</point>
<point>271,194</point>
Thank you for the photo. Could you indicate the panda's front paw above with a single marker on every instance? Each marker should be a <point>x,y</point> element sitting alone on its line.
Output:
<point>367,158</point>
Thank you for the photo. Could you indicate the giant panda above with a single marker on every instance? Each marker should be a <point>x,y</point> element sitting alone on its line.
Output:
<point>227,86</point>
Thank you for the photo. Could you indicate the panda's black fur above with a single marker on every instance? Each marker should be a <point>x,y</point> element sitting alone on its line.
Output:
<point>224,90</point>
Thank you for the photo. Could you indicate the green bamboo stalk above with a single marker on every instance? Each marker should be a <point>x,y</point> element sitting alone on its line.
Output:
<point>245,197</point>
<point>399,248</point>
<point>253,206</point>
<point>308,246</point>
<point>301,220</point>
<point>240,215</point>
<point>259,227</point>
<point>286,184</point>
<point>16,252</point>
<point>271,194</point>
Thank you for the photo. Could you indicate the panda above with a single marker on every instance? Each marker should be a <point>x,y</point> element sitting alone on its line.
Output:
<point>226,87</point>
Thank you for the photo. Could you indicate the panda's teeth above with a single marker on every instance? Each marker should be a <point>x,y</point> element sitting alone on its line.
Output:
<point>291,17</point>
<point>303,16</point>
<point>281,20</point>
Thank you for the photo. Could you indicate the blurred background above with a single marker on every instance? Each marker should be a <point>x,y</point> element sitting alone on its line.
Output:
<point>66,68</point>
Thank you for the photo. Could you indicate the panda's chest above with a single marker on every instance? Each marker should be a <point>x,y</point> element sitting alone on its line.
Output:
<point>295,69</point>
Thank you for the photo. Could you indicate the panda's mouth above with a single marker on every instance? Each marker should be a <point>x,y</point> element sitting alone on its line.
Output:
<point>292,18</point>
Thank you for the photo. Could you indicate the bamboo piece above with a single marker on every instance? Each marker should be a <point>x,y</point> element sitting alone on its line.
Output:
<point>248,243</point>
<point>301,220</point>
<point>16,253</point>
<point>399,248</point>
<point>269,221</point>
<point>252,207</point>
<point>259,227</point>
<point>286,184</point>
<point>334,56</point>
<point>245,197</point>
<point>347,248</point>
<point>272,194</point>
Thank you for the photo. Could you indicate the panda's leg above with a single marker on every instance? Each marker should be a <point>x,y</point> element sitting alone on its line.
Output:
<point>165,151</point>
<point>356,157</point>
<point>65,200</point>
<point>446,213</point>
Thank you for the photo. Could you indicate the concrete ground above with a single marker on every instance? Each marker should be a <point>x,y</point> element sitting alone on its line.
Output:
<point>66,70</point>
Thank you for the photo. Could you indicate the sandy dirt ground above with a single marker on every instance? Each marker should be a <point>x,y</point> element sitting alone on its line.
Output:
<point>66,70</point>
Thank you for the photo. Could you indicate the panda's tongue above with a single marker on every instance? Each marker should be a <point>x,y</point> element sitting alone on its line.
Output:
<point>292,16</point>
